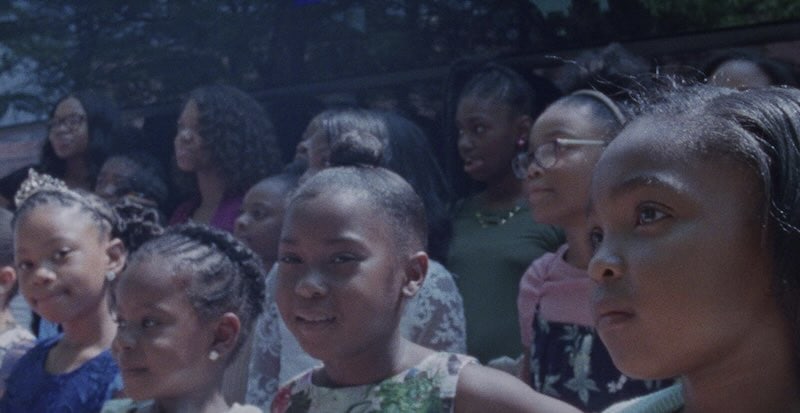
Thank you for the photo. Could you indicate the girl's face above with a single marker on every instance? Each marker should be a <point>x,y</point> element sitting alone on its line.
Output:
<point>488,132</point>
<point>682,274</point>
<point>69,130</point>
<point>162,345</point>
<point>61,258</point>
<point>191,151</point>
<point>114,175</point>
<point>259,224</point>
<point>339,277</point>
<point>559,194</point>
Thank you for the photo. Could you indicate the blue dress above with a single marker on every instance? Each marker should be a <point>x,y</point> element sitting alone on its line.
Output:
<point>32,389</point>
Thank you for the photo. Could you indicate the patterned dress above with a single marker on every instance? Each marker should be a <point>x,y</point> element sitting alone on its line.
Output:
<point>434,318</point>
<point>428,387</point>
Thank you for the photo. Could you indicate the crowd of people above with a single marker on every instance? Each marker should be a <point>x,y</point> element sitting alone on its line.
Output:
<point>629,244</point>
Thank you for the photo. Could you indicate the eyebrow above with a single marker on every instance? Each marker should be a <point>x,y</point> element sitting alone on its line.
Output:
<point>660,181</point>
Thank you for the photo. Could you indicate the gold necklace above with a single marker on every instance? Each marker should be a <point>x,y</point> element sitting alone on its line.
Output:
<point>493,220</point>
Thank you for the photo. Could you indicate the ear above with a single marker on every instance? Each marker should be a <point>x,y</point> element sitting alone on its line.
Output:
<point>117,254</point>
<point>226,333</point>
<point>415,271</point>
<point>8,276</point>
<point>523,125</point>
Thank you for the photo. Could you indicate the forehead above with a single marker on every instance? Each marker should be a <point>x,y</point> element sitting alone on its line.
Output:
<point>269,189</point>
<point>55,220</point>
<point>190,111</point>
<point>69,106</point>
<point>568,117</point>
<point>335,211</point>
<point>473,105</point>
<point>149,278</point>
<point>652,150</point>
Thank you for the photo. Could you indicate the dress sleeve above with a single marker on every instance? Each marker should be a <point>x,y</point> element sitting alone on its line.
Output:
<point>529,296</point>
<point>434,318</point>
<point>265,359</point>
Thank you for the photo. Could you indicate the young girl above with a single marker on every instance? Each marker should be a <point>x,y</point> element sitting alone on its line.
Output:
<point>184,306</point>
<point>564,357</point>
<point>494,236</point>
<point>225,143</point>
<point>434,318</point>
<point>351,254</point>
<point>697,242</point>
<point>15,339</point>
<point>67,248</point>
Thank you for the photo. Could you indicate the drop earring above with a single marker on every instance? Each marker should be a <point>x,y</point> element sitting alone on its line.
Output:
<point>213,355</point>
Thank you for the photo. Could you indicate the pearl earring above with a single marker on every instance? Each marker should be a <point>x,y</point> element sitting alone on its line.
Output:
<point>110,276</point>
<point>213,355</point>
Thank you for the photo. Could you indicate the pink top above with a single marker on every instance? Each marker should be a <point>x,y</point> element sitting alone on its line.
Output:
<point>561,292</point>
<point>224,217</point>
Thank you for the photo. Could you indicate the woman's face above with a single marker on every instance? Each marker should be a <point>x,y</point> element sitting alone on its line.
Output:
<point>69,130</point>
<point>681,270</point>
<point>339,282</point>
<point>487,137</point>
<point>162,344</point>
<point>191,152</point>
<point>559,195</point>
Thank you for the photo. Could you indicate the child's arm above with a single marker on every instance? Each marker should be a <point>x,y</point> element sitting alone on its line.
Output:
<point>484,389</point>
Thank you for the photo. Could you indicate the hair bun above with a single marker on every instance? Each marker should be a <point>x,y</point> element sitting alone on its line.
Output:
<point>356,148</point>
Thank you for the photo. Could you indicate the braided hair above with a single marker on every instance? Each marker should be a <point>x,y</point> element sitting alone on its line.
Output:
<point>225,275</point>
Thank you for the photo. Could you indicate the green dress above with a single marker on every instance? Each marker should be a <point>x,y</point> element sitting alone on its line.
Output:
<point>488,255</point>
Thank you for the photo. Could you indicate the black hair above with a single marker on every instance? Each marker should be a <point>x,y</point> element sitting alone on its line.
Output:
<point>103,121</point>
<point>394,198</point>
<point>334,122</point>
<point>224,275</point>
<point>523,92</point>
<point>149,178</point>
<point>613,116</point>
<point>408,153</point>
<point>131,223</point>
<point>778,71</point>
<point>759,128</point>
<point>238,134</point>
<point>612,70</point>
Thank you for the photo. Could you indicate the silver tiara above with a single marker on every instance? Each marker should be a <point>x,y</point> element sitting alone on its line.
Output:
<point>36,182</point>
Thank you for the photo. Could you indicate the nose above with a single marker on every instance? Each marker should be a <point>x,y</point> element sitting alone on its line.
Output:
<point>43,275</point>
<point>465,143</point>
<point>311,286</point>
<point>533,170</point>
<point>240,225</point>
<point>124,340</point>
<point>606,265</point>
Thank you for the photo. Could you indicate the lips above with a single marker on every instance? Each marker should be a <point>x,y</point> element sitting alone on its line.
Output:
<point>309,324</point>
<point>472,164</point>
<point>609,315</point>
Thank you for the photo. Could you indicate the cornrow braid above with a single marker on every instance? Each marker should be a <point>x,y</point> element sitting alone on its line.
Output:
<point>130,223</point>
<point>225,275</point>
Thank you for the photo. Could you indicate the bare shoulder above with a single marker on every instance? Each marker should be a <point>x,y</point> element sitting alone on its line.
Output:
<point>484,389</point>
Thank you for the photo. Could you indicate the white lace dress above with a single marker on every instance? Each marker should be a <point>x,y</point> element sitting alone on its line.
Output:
<point>434,318</point>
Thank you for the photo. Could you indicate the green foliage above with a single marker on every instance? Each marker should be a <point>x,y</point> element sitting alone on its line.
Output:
<point>153,51</point>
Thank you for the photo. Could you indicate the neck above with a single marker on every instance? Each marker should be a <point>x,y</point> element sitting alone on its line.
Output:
<point>579,250</point>
<point>76,173</point>
<point>503,192</point>
<point>199,402</point>
<point>211,186</point>
<point>92,330</point>
<point>374,365</point>
<point>760,375</point>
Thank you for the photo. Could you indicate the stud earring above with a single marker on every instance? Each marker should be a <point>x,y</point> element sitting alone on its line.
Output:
<point>111,275</point>
<point>521,143</point>
<point>213,355</point>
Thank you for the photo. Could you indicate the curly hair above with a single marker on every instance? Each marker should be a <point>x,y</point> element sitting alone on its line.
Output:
<point>104,128</point>
<point>239,134</point>
<point>225,275</point>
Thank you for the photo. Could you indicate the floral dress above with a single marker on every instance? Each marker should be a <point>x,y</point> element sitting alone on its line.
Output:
<point>434,318</point>
<point>428,387</point>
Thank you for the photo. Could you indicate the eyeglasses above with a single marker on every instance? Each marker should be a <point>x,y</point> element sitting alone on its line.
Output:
<point>546,155</point>
<point>71,122</point>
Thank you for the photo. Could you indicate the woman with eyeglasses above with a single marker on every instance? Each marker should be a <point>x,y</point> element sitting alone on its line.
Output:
<point>564,356</point>
<point>83,129</point>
